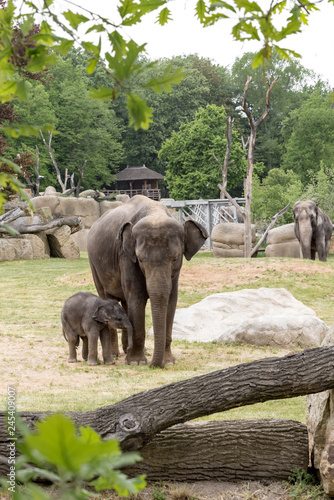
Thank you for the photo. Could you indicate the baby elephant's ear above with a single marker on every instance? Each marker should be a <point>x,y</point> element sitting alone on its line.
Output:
<point>100,315</point>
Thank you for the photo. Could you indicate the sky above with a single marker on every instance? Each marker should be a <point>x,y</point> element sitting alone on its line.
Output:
<point>184,35</point>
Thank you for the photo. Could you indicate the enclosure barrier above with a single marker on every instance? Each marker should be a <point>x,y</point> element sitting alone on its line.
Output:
<point>209,213</point>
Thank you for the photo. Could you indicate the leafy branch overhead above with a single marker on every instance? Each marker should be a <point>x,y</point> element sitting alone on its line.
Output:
<point>121,56</point>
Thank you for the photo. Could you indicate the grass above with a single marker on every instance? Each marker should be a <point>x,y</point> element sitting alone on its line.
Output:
<point>35,353</point>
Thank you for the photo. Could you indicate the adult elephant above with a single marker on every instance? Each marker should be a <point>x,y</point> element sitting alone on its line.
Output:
<point>135,252</point>
<point>313,229</point>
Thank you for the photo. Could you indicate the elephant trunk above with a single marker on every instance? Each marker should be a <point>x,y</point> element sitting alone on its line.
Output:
<point>305,237</point>
<point>159,294</point>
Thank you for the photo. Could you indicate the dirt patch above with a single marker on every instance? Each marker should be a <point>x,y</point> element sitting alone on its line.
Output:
<point>208,277</point>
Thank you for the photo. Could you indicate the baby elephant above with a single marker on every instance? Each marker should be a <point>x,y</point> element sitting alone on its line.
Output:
<point>87,316</point>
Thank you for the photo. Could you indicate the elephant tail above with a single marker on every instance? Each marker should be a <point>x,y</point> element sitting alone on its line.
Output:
<point>78,338</point>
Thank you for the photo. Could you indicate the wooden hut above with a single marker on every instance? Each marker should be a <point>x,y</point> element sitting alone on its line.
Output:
<point>139,180</point>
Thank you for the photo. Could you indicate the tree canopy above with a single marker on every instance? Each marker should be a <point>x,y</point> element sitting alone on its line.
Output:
<point>191,171</point>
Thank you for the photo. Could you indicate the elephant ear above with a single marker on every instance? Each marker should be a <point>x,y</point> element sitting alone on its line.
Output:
<point>194,237</point>
<point>128,241</point>
<point>100,315</point>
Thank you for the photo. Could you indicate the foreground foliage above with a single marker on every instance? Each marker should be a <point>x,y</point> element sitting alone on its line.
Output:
<point>70,461</point>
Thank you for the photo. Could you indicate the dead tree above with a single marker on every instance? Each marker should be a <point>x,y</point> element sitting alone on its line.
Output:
<point>48,147</point>
<point>34,184</point>
<point>229,126</point>
<point>254,125</point>
<point>76,188</point>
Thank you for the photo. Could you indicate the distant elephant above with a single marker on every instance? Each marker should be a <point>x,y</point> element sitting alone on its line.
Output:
<point>135,252</point>
<point>313,229</point>
<point>86,316</point>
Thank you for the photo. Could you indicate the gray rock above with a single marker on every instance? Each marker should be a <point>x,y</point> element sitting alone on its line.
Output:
<point>267,316</point>
<point>231,234</point>
<point>62,244</point>
<point>122,197</point>
<point>282,242</point>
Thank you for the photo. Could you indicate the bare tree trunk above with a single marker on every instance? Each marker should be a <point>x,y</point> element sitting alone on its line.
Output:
<point>73,222</point>
<point>272,223</point>
<point>254,125</point>
<point>226,451</point>
<point>48,147</point>
<point>229,125</point>
<point>136,420</point>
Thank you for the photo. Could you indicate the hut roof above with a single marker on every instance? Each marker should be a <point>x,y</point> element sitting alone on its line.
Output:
<point>137,173</point>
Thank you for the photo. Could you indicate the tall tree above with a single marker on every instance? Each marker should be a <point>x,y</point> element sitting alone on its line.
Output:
<point>295,84</point>
<point>191,171</point>
<point>308,135</point>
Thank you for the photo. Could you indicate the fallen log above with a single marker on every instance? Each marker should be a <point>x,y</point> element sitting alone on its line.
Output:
<point>73,222</point>
<point>136,420</point>
<point>227,451</point>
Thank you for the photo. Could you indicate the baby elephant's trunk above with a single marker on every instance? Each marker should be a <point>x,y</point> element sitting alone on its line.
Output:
<point>129,331</point>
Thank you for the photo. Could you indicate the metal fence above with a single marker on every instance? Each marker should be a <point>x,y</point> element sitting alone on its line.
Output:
<point>208,212</point>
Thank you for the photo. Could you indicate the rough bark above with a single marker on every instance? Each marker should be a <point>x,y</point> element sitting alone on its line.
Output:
<point>254,125</point>
<point>11,215</point>
<point>73,222</point>
<point>136,420</point>
<point>226,451</point>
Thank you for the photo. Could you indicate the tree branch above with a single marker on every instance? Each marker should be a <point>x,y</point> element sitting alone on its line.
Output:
<point>232,200</point>
<point>272,223</point>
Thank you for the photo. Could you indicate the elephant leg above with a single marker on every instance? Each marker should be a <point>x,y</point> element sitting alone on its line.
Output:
<point>114,342</point>
<point>72,346</point>
<point>84,348</point>
<point>321,250</point>
<point>313,252</point>
<point>136,313</point>
<point>72,339</point>
<point>125,340</point>
<point>168,356</point>
<point>93,336</point>
<point>105,336</point>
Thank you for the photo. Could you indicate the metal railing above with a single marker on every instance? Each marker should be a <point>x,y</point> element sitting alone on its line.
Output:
<point>208,212</point>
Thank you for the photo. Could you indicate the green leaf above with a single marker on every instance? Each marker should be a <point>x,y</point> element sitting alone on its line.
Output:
<point>99,28</point>
<point>140,114</point>
<point>101,93</point>
<point>164,16</point>
<point>200,10</point>
<point>27,24</point>
<point>248,6</point>
<point>40,62</point>
<point>64,47</point>
<point>92,48</point>
<point>91,66</point>
<point>247,28</point>
<point>10,230</point>
<point>221,5</point>
<point>166,80</point>
<point>75,19</point>
<point>119,482</point>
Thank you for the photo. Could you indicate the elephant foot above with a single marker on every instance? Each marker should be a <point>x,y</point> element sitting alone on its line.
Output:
<point>169,358</point>
<point>109,361</point>
<point>72,360</point>
<point>135,358</point>
<point>92,363</point>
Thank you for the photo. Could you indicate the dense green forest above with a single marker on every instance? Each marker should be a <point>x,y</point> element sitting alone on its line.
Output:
<point>294,150</point>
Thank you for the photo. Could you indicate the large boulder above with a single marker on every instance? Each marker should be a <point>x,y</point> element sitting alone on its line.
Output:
<point>282,242</point>
<point>320,425</point>
<point>27,246</point>
<point>228,239</point>
<point>267,316</point>
<point>62,243</point>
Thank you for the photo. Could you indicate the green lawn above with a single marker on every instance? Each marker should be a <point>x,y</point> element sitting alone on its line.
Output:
<point>34,352</point>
